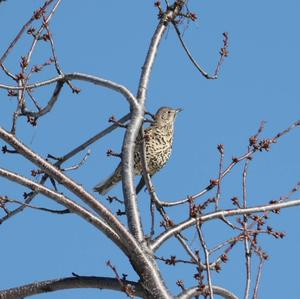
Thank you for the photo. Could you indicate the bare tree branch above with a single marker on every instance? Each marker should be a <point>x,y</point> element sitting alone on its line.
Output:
<point>245,227</point>
<point>63,200</point>
<point>258,277</point>
<point>4,200</point>
<point>192,292</point>
<point>130,237</point>
<point>64,158</point>
<point>138,254</point>
<point>55,173</point>
<point>69,283</point>
<point>20,33</point>
<point>132,131</point>
<point>50,104</point>
<point>158,241</point>
<point>207,262</point>
<point>81,77</point>
<point>38,34</point>
<point>137,117</point>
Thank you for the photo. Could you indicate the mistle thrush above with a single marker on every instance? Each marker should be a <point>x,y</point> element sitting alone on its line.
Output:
<point>158,146</point>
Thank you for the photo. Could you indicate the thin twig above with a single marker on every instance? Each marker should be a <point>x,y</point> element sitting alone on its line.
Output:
<point>17,113</point>
<point>22,78</point>
<point>195,259</point>
<point>127,288</point>
<point>258,277</point>
<point>291,192</point>
<point>76,166</point>
<point>38,33</point>
<point>57,66</point>
<point>189,251</point>
<point>227,242</point>
<point>20,33</point>
<point>7,200</point>
<point>206,254</point>
<point>35,102</point>
<point>218,195</point>
<point>8,73</point>
<point>50,104</point>
<point>189,54</point>
<point>246,241</point>
<point>172,261</point>
<point>223,54</point>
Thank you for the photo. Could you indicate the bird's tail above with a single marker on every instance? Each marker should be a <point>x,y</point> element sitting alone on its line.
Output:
<point>104,186</point>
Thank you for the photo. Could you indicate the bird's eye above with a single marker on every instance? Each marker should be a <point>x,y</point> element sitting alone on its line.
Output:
<point>169,111</point>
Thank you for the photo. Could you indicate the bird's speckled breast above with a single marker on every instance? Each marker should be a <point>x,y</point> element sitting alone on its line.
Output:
<point>158,145</point>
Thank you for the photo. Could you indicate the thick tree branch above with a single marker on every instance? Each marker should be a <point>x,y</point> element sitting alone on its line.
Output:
<point>133,215</point>
<point>138,111</point>
<point>70,283</point>
<point>128,175</point>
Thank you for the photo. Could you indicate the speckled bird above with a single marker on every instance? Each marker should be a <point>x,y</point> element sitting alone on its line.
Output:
<point>158,147</point>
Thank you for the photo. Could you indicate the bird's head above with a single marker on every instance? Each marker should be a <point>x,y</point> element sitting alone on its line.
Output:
<point>166,115</point>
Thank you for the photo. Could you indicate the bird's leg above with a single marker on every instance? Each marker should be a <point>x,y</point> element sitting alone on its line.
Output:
<point>140,185</point>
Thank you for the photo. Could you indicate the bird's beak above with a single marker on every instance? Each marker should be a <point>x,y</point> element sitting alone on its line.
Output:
<point>178,110</point>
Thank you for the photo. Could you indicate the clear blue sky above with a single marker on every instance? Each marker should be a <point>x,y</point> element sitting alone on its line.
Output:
<point>259,81</point>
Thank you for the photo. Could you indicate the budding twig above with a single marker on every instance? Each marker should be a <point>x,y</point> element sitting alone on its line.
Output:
<point>113,120</point>
<point>111,153</point>
<point>223,54</point>
<point>127,288</point>
<point>218,195</point>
